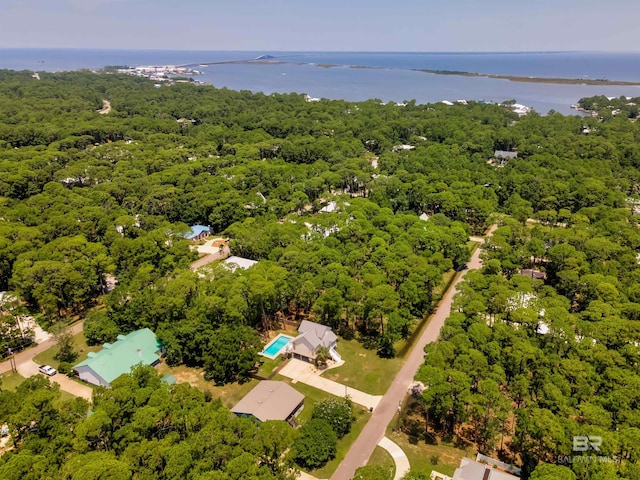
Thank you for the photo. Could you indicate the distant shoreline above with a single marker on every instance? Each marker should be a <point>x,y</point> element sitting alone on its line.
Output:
<point>512,78</point>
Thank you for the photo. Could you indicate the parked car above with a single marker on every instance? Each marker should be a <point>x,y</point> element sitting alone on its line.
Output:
<point>47,370</point>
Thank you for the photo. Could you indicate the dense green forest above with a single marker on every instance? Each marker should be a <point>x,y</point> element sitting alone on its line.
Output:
<point>140,428</point>
<point>84,196</point>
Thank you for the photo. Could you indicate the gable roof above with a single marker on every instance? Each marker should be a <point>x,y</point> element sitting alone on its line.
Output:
<point>115,359</point>
<point>312,335</point>
<point>269,400</point>
<point>505,154</point>
<point>196,230</point>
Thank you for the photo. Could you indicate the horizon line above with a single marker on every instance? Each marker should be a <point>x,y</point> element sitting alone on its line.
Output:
<point>326,51</point>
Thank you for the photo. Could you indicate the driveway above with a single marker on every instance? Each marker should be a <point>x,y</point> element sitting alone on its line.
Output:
<point>375,428</point>
<point>213,254</point>
<point>304,372</point>
<point>27,367</point>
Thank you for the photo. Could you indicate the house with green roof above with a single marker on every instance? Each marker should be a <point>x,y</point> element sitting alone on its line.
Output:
<point>115,359</point>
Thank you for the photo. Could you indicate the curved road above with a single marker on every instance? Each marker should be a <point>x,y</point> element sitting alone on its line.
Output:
<point>376,427</point>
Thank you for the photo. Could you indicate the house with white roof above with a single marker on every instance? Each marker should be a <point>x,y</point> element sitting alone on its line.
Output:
<point>233,263</point>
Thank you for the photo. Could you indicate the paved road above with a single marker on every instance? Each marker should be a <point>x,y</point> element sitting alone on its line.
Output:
<point>211,257</point>
<point>375,428</point>
<point>27,355</point>
<point>27,367</point>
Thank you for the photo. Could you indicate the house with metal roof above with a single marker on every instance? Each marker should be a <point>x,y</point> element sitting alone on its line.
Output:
<point>115,359</point>
<point>271,400</point>
<point>313,336</point>
<point>198,232</point>
<point>233,263</point>
<point>473,470</point>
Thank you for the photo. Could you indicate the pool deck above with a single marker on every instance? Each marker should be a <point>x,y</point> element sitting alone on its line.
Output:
<point>266,355</point>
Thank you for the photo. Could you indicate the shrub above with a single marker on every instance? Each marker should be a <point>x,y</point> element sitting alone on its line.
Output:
<point>65,368</point>
<point>316,445</point>
<point>337,413</point>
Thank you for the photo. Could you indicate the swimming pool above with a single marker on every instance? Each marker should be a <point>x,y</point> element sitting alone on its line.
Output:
<point>275,347</point>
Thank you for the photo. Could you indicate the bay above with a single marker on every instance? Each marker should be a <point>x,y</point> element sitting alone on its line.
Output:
<point>392,79</point>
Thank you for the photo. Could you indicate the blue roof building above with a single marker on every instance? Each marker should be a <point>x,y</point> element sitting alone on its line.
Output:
<point>197,232</point>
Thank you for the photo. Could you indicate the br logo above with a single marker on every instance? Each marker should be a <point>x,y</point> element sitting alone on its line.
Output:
<point>583,443</point>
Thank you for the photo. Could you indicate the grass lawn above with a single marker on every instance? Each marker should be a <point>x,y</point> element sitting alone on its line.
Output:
<point>79,345</point>
<point>382,458</point>
<point>11,380</point>
<point>228,394</point>
<point>363,369</point>
<point>64,396</point>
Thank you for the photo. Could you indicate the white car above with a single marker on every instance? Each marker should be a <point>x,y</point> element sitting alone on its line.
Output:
<point>47,370</point>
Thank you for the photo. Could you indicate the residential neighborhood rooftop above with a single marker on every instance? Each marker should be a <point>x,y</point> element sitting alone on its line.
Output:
<point>197,231</point>
<point>234,262</point>
<point>270,400</point>
<point>115,359</point>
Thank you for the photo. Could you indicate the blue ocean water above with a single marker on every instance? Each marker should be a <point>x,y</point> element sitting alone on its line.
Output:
<point>394,79</point>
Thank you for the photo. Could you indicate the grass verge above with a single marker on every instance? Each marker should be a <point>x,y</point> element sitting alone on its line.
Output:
<point>11,380</point>
<point>380,457</point>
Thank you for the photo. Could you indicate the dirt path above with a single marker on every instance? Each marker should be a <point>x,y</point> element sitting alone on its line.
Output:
<point>375,428</point>
<point>106,107</point>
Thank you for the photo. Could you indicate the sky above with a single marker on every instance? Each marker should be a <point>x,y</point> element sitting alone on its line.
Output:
<point>322,25</point>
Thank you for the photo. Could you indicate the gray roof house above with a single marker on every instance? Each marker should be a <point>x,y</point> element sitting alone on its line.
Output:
<point>313,336</point>
<point>270,400</point>
<point>502,156</point>
<point>473,470</point>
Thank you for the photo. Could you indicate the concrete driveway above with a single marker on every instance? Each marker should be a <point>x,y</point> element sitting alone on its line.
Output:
<point>28,368</point>
<point>304,372</point>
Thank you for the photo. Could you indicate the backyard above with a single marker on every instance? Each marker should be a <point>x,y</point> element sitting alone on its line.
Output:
<point>229,394</point>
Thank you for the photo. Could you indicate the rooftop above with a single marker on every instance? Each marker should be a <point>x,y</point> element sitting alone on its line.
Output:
<point>117,358</point>
<point>269,400</point>
<point>234,262</point>
<point>197,230</point>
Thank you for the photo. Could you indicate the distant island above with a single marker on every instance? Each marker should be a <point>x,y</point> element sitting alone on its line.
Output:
<point>270,60</point>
